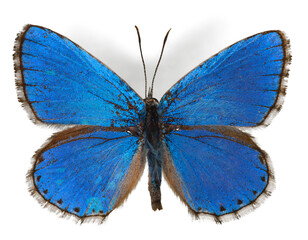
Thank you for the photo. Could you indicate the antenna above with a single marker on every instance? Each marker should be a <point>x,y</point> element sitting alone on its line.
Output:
<point>161,54</point>
<point>145,73</point>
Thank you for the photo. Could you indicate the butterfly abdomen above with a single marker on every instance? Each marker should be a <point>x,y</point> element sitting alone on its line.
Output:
<point>152,137</point>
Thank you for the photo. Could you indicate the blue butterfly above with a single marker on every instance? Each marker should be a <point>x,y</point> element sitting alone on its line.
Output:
<point>191,135</point>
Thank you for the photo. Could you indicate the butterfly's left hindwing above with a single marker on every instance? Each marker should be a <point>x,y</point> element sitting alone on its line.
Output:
<point>218,171</point>
<point>60,83</point>
<point>87,171</point>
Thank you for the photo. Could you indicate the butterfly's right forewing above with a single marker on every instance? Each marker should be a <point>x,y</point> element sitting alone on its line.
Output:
<point>243,85</point>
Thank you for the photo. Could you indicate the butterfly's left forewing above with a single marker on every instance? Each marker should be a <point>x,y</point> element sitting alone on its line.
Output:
<point>61,83</point>
<point>217,171</point>
<point>87,171</point>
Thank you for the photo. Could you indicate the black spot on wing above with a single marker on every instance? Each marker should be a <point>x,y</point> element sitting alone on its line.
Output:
<point>76,209</point>
<point>222,208</point>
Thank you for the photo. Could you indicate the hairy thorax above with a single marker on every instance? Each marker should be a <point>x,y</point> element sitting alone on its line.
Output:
<point>152,128</point>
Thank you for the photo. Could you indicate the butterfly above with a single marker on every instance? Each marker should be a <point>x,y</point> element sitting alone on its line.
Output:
<point>194,135</point>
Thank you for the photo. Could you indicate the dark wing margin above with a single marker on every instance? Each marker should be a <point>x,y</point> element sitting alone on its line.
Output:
<point>218,172</point>
<point>243,85</point>
<point>86,172</point>
<point>284,75</point>
<point>59,83</point>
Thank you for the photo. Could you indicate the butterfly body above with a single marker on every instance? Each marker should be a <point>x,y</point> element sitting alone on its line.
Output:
<point>191,136</point>
<point>153,144</point>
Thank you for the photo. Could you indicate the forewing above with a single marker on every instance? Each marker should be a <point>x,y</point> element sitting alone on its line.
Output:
<point>87,171</point>
<point>218,171</point>
<point>240,86</point>
<point>60,83</point>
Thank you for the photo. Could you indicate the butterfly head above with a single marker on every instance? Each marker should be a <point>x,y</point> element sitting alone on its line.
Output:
<point>151,103</point>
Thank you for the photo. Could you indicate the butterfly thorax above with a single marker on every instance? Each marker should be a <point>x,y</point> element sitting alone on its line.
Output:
<point>151,123</point>
<point>152,138</point>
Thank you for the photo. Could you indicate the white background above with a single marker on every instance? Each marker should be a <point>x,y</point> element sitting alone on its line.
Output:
<point>199,30</point>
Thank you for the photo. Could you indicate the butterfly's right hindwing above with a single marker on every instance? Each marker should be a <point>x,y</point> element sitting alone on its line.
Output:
<point>217,171</point>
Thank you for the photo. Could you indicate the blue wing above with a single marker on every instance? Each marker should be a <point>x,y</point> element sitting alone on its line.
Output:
<point>63,84</point>
<point>87,171</point>
<point>240,86</point>
<point>216,170</point>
